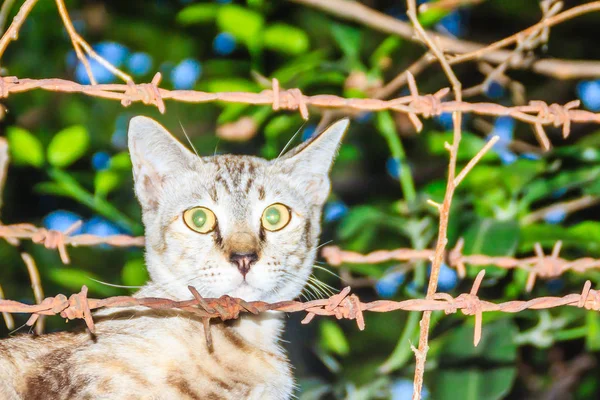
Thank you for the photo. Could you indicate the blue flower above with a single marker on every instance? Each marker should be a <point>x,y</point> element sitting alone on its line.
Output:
<point>99,226</point>
<point>494,90</point>
<point>507,157</point>
<point>393,167</point>
<point>555,286</point>
<point>388,285</point>
<point>186,73</point>
<point>452,24</point>
<point>101,74</point>
<point>444,120</point>
<point>71,59</point>
<point>558,193</point>
<point>334,211</point>
<point>139,64</point>
<point>555,216</point>
<point>447,278</point>
<point>531,156</point>
<point>224,44</point>
<point>402,389</point>
<point>61,220</point>
<point>308,132</point>
<point>504,128</point>
<point>589,93</point>
<point>119,139</point>
<point>112,52</point>
<point>363,118</point>
<point>100,160</point>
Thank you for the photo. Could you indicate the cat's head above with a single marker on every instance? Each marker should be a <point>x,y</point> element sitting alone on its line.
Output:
<point>227,224</point>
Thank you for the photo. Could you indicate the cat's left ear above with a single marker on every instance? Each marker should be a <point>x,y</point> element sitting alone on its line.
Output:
<point>311,161</point>
<point>156,155</point>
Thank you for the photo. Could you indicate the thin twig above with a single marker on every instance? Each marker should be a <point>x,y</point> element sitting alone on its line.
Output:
<point>567,207</point>
<point>12,33</point>
<point>475,160</point>
<point>341,305</point>
<point>36,285</point>
<point>4,10</point>
<point>442,239</point>
<point>561,69</point>
<point>8,318</point>
<point>80,45</point>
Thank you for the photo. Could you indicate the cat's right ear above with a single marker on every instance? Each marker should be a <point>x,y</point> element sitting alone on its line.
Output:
<point>155,155</point>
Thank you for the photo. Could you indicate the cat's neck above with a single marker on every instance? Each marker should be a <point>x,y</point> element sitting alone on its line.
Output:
<point>263,330</point>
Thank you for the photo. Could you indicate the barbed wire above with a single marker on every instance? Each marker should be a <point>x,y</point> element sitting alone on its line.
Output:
<point>53,239</point>
<point>541,265</point>
<point>538,113</point>
<point>342,305</point>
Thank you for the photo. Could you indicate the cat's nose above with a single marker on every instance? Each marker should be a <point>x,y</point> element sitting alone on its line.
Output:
<point>243,261</point>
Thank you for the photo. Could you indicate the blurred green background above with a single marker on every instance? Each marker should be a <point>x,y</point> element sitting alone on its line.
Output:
<point>70,162</point>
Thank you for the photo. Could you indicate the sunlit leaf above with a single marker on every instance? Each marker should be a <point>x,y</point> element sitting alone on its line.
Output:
<point>68,145</point>
<point>25,148</point>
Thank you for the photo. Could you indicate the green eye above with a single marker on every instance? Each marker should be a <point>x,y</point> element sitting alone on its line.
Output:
<point>276,217</point>
<point>200,219</point>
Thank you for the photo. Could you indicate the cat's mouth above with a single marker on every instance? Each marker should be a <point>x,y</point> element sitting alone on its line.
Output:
<point>246,291</point>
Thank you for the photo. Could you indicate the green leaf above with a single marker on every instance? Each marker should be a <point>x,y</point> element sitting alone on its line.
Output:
<point>592,339</point>
<point>25,148</point>
<point>231,85</point>
<point>68,146</point>
<point>121,162</point>
<point>492,238</point>
<point>541,188</point>
<point>74,279</point>
<point>349,39</point>
<point>473,384</point>
<point>105,182</point>
<point>244,24</point>
<point>519,174</point>
<point>197,14</point>
<point>497,343</point>
<point>389,45</point>
<point>333,338</point>
<point>470,145</point>
<point>584,236</point>
<point>51,188</point>
<point>307,63</point>
<point>357,220</point>
<point>285,39</point>
<point>281,124</point>
<point>496,349</point>
<point>134,273</point>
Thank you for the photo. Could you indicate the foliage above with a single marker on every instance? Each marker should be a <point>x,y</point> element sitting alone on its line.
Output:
<point>70,150</point>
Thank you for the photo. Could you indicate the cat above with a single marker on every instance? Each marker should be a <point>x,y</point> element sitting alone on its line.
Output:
<point>226,224</point>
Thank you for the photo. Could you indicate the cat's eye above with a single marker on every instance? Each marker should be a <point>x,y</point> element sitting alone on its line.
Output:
<point>200,219</point>
<point>276,217</point>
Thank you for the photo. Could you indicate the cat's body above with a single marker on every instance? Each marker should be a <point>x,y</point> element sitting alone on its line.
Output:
<point>234,225</point>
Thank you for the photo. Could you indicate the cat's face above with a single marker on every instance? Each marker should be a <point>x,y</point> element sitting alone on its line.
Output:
<point>235,225</point>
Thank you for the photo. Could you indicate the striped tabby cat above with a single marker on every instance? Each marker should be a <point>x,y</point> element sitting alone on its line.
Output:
<point>235,225</point>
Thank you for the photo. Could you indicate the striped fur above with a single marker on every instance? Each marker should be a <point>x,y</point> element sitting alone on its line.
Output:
<point>148,354</point>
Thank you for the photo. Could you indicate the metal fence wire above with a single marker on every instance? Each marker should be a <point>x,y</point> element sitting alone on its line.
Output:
<point>498,57</point>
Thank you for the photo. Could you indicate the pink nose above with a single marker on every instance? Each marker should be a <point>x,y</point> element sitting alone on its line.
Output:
<point>243,261</point>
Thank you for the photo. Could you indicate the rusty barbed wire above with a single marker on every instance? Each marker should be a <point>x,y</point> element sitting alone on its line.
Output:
<point>343,305</point>
<point>53,239</point>
<point>537,113</point>
<point>541,265</point>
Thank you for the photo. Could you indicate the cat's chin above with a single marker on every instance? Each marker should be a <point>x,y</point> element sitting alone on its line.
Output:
<point>247,292</point>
